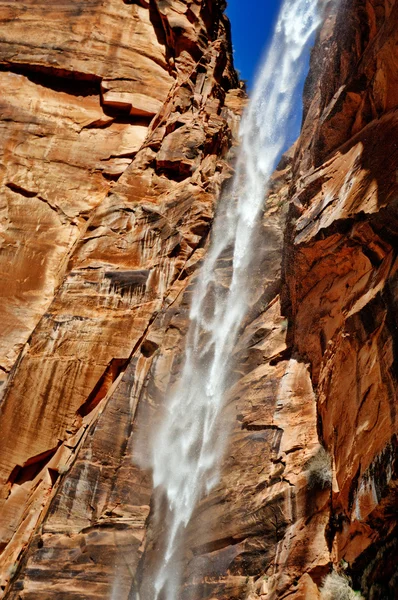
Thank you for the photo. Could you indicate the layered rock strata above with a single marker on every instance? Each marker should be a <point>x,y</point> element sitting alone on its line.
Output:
<point>309,478</point>
<point>117,119</point>
<point>341,280</point>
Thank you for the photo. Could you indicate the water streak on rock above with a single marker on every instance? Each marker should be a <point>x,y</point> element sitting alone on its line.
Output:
<point>187,448</point>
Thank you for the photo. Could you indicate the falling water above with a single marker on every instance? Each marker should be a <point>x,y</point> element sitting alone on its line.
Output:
<point>188,447</point>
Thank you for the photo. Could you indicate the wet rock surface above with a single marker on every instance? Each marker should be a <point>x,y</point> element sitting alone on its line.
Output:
<point>340,281</point>
<point>117,123</point>
<point>106,212</point>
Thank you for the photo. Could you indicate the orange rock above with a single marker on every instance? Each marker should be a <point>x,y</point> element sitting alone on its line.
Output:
<point>110,240</point>
<point>118,122</point>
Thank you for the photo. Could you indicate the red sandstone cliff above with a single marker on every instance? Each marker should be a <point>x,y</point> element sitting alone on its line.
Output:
<point>117,120</point>
<point>117,124</point>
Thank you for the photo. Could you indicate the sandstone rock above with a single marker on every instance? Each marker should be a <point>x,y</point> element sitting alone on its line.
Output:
<point>341,280</point>
<point>57,152</point>
<point>103,253</point>
<point>121,177</point>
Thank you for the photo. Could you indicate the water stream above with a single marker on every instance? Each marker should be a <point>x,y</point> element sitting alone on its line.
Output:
<point>188,448</point>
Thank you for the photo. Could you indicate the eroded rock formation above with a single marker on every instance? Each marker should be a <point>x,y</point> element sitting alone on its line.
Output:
<point>341,280</point>
<point>118,126</point>
<point>117,119</point>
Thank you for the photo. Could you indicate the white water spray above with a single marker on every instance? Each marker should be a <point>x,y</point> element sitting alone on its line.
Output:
<point>187,449</point>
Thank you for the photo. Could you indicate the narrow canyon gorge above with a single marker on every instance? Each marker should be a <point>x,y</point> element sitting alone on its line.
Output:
<point>119,129</point>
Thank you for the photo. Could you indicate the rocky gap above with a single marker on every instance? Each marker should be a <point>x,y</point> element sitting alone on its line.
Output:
<point>32,467</point>
<point>111,373</point>
<point>119,119</point>
<point>58,80</point>
<point>261,427</point>
<point>148,348</point>
<point>112,177</point>
<point>161,34</point>
<point>215,545</point>
<point>174,172</point>
<point>281,357</point>
<point>20,190</point>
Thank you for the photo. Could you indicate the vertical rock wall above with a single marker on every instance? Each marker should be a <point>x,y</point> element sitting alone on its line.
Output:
<point>341,280</point>
<point>117,119</point>
<point>117,124</point>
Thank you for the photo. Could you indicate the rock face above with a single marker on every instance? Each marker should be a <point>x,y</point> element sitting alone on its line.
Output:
<point>118,122</point>
<point>341,281</point>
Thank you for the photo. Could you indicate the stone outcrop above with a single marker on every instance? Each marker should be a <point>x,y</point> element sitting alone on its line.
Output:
<point>341,281</point>
<point>118,120</point>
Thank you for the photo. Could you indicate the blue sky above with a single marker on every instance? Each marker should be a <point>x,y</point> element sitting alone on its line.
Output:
<point>252,26</point>
<point>253,23</point>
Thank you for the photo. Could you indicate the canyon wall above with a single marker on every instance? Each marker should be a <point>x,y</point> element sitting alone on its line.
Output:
<point>341,294</point>
<point>119,124</point>
<point>117,119</point>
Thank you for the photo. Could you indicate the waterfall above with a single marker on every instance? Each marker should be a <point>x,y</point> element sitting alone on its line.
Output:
<point>188,447</point>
